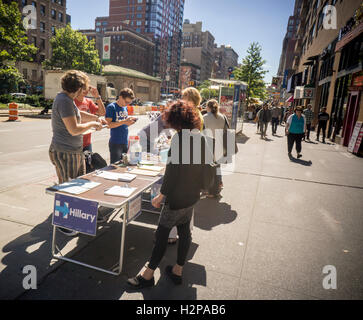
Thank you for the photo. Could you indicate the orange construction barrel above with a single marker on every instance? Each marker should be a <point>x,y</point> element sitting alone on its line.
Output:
<point>154,108</point>
<point>130,110</point>
<point>13,112</point>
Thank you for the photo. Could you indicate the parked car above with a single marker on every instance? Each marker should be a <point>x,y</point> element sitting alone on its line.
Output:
<point>18,95</point>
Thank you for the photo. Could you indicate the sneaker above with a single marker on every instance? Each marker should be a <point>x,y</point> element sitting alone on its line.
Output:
<point>177,280</point>
<point>139,282</point>
<point>67,232</point>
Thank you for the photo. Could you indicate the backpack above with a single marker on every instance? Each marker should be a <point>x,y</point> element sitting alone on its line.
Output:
<point>94,161</point>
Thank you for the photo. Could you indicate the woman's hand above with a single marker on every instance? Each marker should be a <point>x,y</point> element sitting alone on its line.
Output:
<point>156,202</point>
<point>97,125</point>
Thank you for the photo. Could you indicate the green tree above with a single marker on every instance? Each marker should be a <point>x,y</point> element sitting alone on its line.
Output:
<point>72,50</point>
<point>204,85</point>
<point>252,73</point>
<point>13,46</point>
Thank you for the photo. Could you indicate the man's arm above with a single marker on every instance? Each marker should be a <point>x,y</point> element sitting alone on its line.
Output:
<point>117,124</point>
<point>76,129</point>
<point>87,117</point>
<point>101,107</point>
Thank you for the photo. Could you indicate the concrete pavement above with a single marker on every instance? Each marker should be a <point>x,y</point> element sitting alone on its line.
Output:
<point>270,236</point>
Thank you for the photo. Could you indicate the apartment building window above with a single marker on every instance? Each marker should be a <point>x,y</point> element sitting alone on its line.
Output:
<point>60,17</point>
<point>34,41</point>
<point>53,30</point>
<point>138,23</point>
<point>34,74</point>
<point>42,10</point>
<point>54,14</point>
<point>42,27</point>
<point>42,44</point>
<point>41,58</point>
<point>34,4</point>
<point>24,3</point>
<point>25,73</point>
<point>60,2</point>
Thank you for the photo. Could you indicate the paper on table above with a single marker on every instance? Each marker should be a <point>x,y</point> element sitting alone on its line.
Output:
<point>120,191</point>
<point>145,172</point>
<point>76,186</point>
<point>124,177</point>
<point>151,168</point>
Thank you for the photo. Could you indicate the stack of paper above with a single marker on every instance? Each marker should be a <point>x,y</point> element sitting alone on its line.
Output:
<point>151,168</point>
<point>120,191</point>
<point>76,186</point>
<point>145,172</point>
<point>124,177</point>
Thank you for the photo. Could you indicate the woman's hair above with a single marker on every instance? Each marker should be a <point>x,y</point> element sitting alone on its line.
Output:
<point>298,109</point>
<point>127,93</point>
<point>213,106</point>
<point>74,80</point>
<point>181,116</point>
<point>193,95</point>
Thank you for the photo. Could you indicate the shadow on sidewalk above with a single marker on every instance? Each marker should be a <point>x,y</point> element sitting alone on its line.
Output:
<point>210,213</point>
<point>302,162</point>
<point>242,139</point>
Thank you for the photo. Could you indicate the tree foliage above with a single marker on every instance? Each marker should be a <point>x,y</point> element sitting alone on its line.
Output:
<point>252,73</point>
<point>13,46</point>
<point>72,50</point>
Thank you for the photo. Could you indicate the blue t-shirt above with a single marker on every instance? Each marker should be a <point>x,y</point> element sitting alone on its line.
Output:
<point>120,134</point>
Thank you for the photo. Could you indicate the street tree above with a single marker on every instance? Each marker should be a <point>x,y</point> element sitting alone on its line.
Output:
<point>72,50</point>
<point>13,46</point>
<point>252,72</point>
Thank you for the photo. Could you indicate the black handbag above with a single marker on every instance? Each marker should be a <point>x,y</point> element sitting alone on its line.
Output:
<point>94,161</point>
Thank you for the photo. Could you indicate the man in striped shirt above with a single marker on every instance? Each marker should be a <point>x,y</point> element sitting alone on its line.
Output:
<point>309,117</point>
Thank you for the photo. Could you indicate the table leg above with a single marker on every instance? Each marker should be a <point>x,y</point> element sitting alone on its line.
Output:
<point>122,248</point>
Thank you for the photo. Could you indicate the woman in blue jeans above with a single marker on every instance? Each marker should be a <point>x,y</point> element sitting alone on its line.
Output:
<point>181,189</point>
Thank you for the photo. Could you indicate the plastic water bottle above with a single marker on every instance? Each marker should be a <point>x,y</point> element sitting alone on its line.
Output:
<point>135,152</point>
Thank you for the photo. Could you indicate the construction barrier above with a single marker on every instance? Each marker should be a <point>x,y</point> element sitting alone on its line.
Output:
<point>137,110</point>
<point>130,110</point>
<point>13,112</point>
<point>154,108</point>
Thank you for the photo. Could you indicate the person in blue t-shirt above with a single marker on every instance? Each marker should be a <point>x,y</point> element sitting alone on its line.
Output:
<point>295,131</point>
<point>119,122</point>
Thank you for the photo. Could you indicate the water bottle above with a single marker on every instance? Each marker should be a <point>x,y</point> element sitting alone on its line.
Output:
<point>135,152</point>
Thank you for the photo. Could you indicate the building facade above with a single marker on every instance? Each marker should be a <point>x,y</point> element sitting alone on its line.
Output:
<point>224,59</point>
<point>328,61</point>
<point>51,15</point>
<point>162,21</point>
<point>129,49</point>
<point>189,75</point>
<point>198,48</point>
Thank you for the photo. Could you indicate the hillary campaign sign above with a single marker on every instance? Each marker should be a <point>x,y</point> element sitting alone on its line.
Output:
<point>75,214</point>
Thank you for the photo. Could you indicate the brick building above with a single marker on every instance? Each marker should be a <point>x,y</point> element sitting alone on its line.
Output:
<point>328,63</point>
<point>162,21</point>
<point>50,15</point>
<point>198,48</point>
<point>224,57</point>
<point>129,49</point>
<point>189,75</point>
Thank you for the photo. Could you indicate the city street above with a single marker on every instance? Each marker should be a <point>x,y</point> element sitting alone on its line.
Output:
<point>278,224</point>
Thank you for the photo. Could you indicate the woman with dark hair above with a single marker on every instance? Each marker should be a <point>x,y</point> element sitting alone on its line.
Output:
<point>181,189</point>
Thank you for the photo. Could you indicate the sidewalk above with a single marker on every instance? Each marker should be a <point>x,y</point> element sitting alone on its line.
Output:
<point>270,236</point>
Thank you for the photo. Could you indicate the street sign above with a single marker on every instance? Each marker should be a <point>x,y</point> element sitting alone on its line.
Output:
<point>75,214</point>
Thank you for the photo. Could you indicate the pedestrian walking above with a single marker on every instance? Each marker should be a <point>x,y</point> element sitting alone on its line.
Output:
<point>119,122</point>
<point>181,189</point>
<point>275,114</point>
<point>68,125</point>
<point>214,121</point>
<point>282,115</point>
<point>264,118</point>
<point>323,119</point>
<point>193,98</point>
<point>309,116</point>
<point>295,131</point>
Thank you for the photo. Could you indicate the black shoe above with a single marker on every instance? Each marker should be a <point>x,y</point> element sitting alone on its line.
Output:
<point>177,280</point>
<point>299,155</point>
<point>67,232</point>
<point>139,282</point>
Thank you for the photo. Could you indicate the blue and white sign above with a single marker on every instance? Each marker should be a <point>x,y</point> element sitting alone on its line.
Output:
<point>75,214</point>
